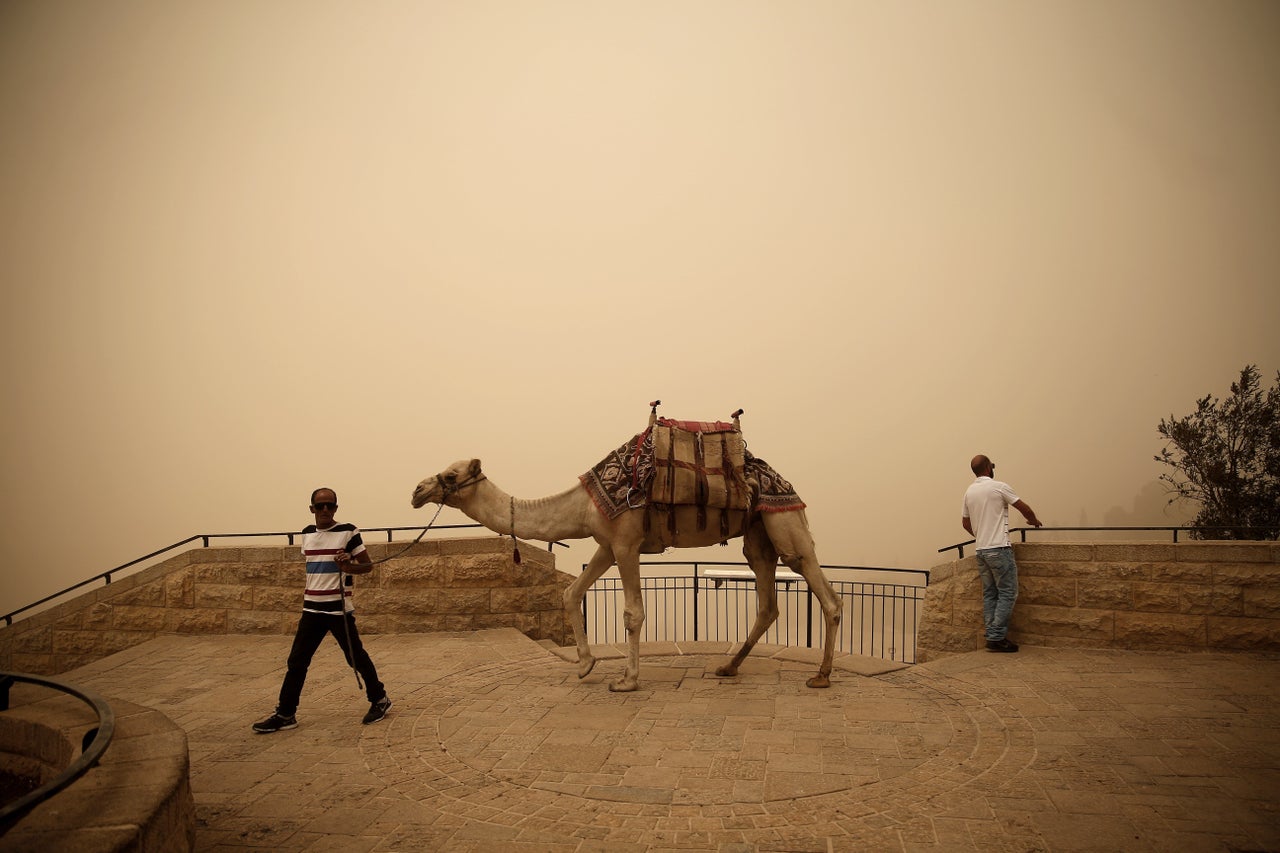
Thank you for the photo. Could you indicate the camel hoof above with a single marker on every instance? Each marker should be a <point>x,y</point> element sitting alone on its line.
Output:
<point>818,681</point>
<point>727,671</point>
<point>624,685</point>
<point>585,666</point>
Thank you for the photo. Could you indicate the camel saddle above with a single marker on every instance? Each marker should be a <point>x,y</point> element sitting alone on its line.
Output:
<point>699,463</point>
<point>704,464</point>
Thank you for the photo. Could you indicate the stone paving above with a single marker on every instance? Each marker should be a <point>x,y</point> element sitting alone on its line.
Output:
<point>493,743</point>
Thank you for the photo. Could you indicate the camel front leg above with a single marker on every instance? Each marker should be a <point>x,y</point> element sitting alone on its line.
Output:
<point>763,561</point>
<point>633,618</point>
<point>573,595</point>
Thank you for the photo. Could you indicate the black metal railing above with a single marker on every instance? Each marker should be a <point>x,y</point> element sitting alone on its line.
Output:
<point>92,745</point>
<point>205,539</point>
<point>716,601</point>
<point>1023,531</point>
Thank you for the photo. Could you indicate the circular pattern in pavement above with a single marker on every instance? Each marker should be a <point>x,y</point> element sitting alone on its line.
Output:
<point>521,740</point>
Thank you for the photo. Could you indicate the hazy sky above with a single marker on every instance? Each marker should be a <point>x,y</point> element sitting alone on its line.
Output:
<point>251,248</point>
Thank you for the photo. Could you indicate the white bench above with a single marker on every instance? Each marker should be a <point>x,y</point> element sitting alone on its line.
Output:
<point>721,575</point>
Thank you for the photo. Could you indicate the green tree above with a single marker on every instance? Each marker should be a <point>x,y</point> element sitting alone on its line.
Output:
<point>1226,456</point>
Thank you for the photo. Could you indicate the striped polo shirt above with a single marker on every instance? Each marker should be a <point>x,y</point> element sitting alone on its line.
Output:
<point>325,592</point>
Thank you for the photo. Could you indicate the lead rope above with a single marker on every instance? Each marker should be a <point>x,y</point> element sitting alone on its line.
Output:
<point>347,581</point>
<point>414,542</point>
<point>346,627</point>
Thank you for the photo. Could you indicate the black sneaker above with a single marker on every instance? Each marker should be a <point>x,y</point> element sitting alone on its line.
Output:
<point>377,710</point>
<point>1005,645</point>
<point>275,723</point>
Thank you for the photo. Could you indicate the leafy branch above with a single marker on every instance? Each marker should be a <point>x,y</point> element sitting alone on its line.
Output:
<point>1226,456</point>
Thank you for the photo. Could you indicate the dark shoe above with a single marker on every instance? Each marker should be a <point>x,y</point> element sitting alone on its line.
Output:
<point>1005,645</point>
<point>275,723</point>
<point>377,710</point>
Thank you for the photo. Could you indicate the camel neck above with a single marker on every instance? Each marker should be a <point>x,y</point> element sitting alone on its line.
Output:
<point>548,519</point>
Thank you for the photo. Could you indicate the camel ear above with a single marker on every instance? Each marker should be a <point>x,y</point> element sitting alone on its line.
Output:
<point>473,470</point>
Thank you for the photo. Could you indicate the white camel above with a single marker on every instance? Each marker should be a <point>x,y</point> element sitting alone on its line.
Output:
<point>768,537</point>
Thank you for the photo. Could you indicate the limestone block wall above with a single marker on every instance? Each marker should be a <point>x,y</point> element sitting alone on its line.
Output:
<point>1185,596</point>
<point>437,585</point>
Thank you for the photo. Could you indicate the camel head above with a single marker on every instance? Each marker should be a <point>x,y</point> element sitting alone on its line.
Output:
<point>443,488</point>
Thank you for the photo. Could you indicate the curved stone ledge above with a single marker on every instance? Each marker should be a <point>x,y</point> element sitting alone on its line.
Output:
<point>137,798</point>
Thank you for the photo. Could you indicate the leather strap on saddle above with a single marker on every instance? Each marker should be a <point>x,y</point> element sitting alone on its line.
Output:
<point>701,467</point>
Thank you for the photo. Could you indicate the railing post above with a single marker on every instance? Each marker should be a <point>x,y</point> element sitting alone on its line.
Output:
<point>88,739</point>
<point>697,599</point>
<point>808,628</point>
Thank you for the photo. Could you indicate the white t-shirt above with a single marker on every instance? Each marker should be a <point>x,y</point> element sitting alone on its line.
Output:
<point>325,592</point>
<point>986,505</point>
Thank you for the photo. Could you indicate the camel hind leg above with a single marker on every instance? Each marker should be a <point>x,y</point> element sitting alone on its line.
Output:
<point>573,595</point>
<point>763,560</point>
<point>789,534</point>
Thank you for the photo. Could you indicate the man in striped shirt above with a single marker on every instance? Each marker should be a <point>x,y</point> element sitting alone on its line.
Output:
<point>332,552</point>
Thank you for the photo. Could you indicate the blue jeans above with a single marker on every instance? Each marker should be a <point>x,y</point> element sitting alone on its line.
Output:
<point>999,575</point>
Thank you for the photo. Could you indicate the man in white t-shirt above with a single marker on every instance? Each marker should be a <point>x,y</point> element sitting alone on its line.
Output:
<point>985,515</point>
<point>332,551</point>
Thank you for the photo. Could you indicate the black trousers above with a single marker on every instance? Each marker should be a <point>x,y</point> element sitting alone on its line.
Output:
<point>311,630</point>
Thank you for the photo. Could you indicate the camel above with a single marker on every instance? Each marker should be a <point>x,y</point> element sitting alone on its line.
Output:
<point>571,514</point>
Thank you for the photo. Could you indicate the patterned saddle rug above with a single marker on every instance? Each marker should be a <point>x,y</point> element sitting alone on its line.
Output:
<point>624,480</point>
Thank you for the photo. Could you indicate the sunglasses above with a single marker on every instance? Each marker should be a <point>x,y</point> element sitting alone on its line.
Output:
<point>323,506</point>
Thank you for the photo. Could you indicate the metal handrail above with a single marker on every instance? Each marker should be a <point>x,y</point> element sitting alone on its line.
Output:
<point>205,539</point>
<point>696,564</point>
<point>1023,531</point>
<point>92,745</point>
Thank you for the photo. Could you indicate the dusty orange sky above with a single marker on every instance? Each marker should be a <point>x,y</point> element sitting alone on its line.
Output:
<point>253,248</point>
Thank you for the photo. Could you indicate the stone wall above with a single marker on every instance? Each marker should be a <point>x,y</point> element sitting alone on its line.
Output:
<point>437,585</point>
<point>1185,596</point>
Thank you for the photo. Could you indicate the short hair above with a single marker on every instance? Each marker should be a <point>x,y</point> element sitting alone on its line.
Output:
<point>978,465</point>
<point>323,489</point>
